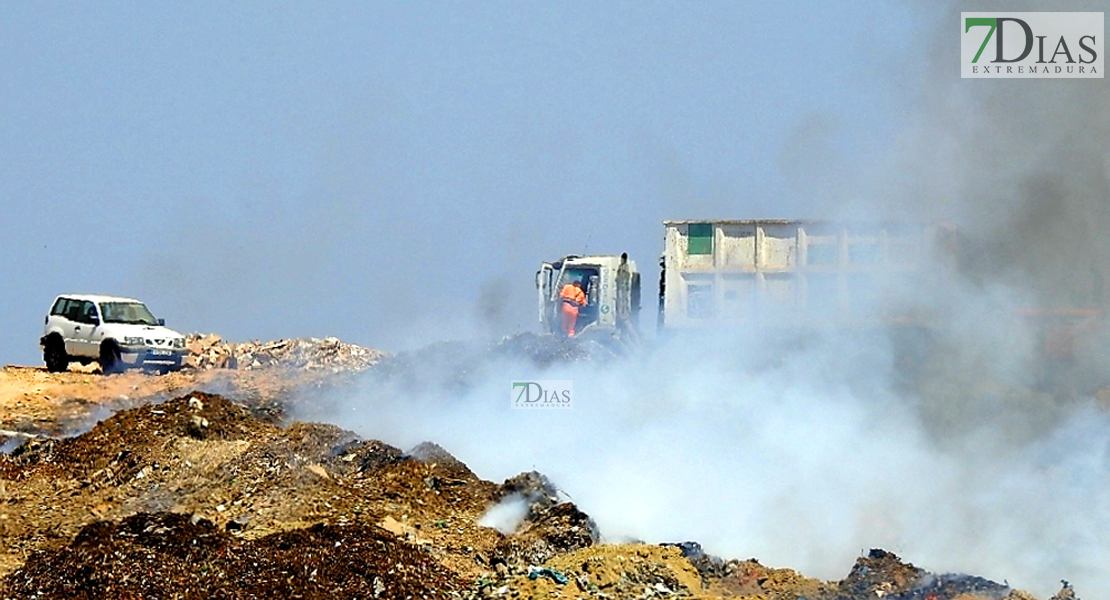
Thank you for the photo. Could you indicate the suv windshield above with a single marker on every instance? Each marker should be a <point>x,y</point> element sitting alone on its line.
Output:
<point>127,312</point>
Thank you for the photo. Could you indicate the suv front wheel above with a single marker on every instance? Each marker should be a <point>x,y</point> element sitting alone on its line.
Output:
<point>109,358</point>
<point>54,355</point>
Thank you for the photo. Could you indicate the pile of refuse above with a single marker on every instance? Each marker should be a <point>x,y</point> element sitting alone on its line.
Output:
<point>200,496</point>
<point>642,571</point>
<point>170,555</point>
<point>315,354</point>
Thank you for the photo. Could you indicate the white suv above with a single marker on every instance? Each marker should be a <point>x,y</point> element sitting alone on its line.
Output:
<point>117,332</point>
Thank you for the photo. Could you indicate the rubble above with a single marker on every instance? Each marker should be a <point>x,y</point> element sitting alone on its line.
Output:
<point>327,354</point>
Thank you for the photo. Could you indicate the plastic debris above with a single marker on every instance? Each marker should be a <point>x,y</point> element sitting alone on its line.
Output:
<point>552,574</point>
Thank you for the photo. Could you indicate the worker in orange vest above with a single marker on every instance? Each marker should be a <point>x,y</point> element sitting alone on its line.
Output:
<point>573,298</point>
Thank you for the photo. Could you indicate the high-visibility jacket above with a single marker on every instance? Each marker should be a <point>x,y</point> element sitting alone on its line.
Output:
<point>573,295</point>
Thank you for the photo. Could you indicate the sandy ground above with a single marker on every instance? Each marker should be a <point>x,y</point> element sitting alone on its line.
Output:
<point>33,400</point>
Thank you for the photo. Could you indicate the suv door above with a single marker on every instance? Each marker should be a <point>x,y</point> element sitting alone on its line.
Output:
<point>87,320</point>
<point>64,316</point>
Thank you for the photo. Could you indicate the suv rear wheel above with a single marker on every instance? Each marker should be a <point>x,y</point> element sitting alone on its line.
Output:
<point>54,355</point>
<point>109,358</point>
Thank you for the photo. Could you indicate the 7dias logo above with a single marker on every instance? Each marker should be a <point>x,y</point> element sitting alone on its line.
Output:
<point>542,394</point>
<point>1031,44</point>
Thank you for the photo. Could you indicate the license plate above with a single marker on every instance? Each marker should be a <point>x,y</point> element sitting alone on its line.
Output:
<point>161,353</point>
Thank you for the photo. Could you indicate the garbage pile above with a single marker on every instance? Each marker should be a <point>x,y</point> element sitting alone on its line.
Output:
<point>200,496</point>
<point>315,354</point>
<point>169,555</point>
<point>642,571</point>
<point>200,458</point>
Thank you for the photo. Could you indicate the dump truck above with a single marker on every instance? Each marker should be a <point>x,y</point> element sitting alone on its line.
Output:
<point>725,273</point>
<point>797,276</point>
<point>612,287</point>
<point>801,273</point>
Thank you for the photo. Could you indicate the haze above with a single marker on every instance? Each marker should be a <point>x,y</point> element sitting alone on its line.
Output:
<point>393,174</point>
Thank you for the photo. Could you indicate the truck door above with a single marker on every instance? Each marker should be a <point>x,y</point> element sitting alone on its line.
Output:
<point>587,275</point>
<point>594,300</point>
<point>543,290</point>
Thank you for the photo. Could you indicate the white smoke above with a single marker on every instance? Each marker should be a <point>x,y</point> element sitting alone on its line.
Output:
<point>803,461</point>
<point>507,515</point>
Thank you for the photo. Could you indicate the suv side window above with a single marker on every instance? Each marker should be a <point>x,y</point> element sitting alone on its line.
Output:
<point>59,308</point>
<point>72,310</point>
<point>88,313</point>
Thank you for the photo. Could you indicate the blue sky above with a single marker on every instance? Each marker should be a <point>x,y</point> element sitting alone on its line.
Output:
<point>389,173</point>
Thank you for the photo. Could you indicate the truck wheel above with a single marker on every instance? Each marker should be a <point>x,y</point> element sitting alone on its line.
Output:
<point>55,357</point>
<point>109,358</point>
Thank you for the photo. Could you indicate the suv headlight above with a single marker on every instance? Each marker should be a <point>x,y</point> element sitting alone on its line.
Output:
<point>179,342</point>
<point>133,341</point>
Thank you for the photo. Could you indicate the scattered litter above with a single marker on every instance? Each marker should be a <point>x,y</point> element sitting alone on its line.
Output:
<point>537,572</point>
<point>318,471</point>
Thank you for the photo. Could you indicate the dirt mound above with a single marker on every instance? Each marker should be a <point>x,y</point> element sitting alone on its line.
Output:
<point>434,454</point>
<point>121,445</point>
<point>172,556</point>
<point>368,455</point>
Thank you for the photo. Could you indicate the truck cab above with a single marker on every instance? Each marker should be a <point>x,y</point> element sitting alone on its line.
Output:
<point>612,288</point>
